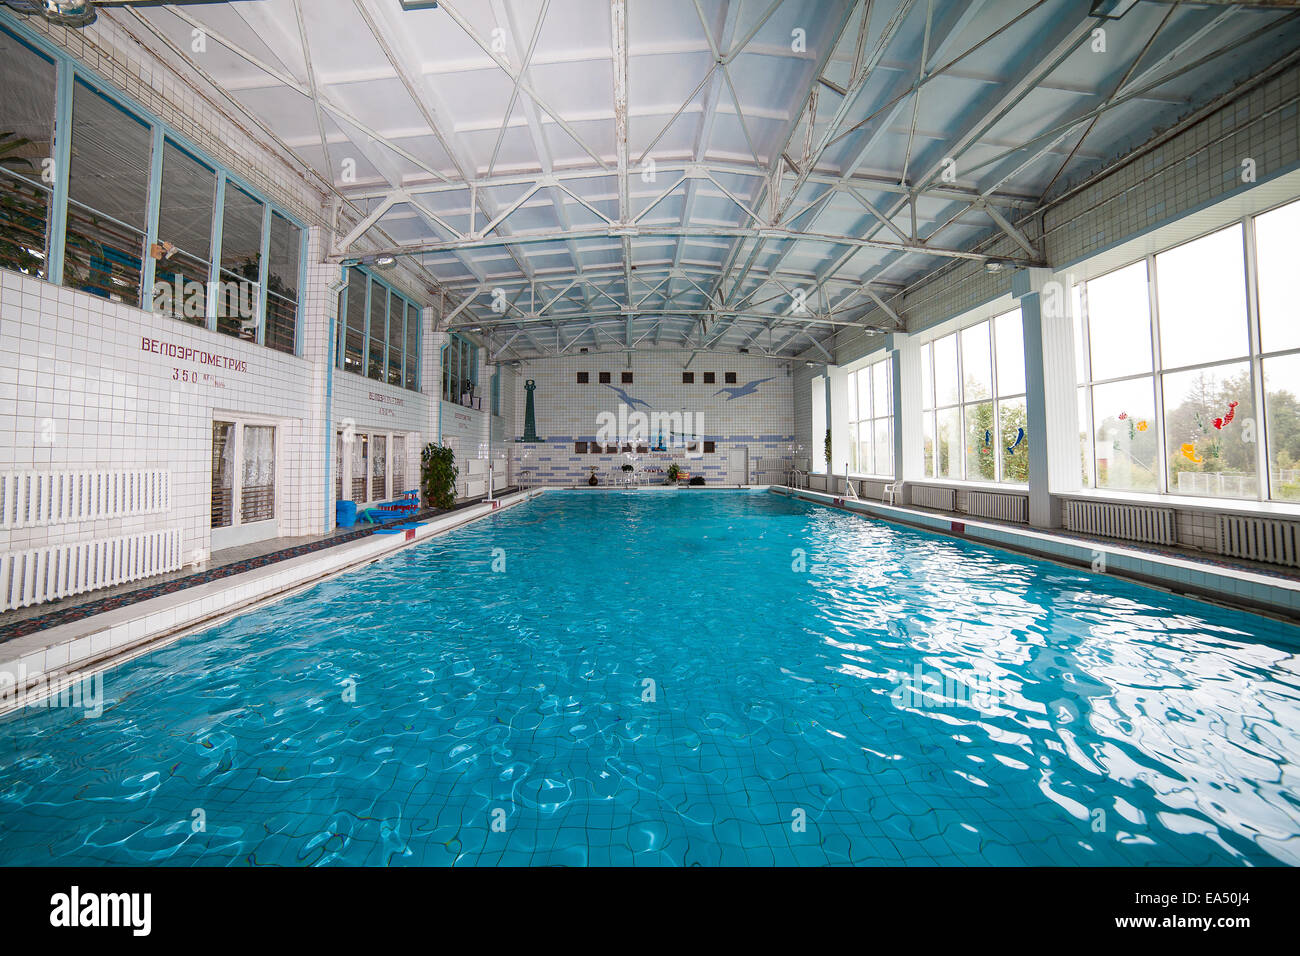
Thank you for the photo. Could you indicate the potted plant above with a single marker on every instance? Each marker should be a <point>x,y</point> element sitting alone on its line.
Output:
<point>438,473</point>
<point>674,473</point>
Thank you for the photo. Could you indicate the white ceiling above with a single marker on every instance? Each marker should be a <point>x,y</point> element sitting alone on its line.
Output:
<point>505,145</point>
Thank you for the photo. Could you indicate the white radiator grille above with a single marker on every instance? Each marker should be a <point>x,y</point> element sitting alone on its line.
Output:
<point>1132,522</point>
<point>45,574</point>
<point>928,497</point>
<point>30,499</point>
<point>1260,539</point>
<point>1002,507</point>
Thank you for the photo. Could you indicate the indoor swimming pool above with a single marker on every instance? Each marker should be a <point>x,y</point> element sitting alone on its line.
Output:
<point>682,678</point>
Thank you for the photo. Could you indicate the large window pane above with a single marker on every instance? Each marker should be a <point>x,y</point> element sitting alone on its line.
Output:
<point>354,336</point>
<point>185,222</point>
<point>1201,288</point>
<point>282,284</point>
<point>396,336</point>
<point>980,442</point>
<point>1277,251</point>
<point>1210,450</point>
<point>927,439</point>
<point>378,331</point>
<point>927,379</point>
<point>108,198</point>
<point>947,388</point>
<point>856,463</point>
<point>882,394</point>
<point>26,133</point>
<point>1123,419</point>
<point>948,444</point>
<point>1009,340</point>
<point>412,346</point>
<point>1014,446</point>
<point>862,379</point>
<point>1282,423</point>
<point>1085,445</point>
<point>975,361</point>
<point>241,264</point>
<point>1119,323</point>
<point>1080,349</point>
<point>883,447</point>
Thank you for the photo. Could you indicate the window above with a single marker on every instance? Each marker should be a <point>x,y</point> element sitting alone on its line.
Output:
<point>111,159</point>
<point>973,401</point>
<point>223,473</point>
<point>26,142</point>
<point>257,491</point>
<point>728,378</point>
<point>709,447</point>
<point>399,464</point>
<point>626,378</point>
<point>379,466</point>
<point>605,378</point>
<point>871,420</point>
<point>379,331</point>
<point>411,360</point>
<point>359,465</point>
<point>396,337</point>
<point>1170,384</point>
<point>583,378</point>
<point>185,208</point>
<point>496,392</point>
<point>282,284</point>
<point>108,198</point>
<point>241,264</point>
<point>460,372</point>
<point>688,378</point>
<point>710,378</point>
<point>353,326</point>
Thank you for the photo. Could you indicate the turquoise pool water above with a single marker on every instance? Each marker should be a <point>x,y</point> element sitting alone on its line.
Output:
<point>682,678</point>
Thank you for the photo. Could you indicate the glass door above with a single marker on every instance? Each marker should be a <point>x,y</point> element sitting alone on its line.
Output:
<point>243,492</point>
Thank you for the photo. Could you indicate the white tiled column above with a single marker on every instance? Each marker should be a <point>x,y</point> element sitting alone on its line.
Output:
<point>1051,407</point>
<point>905,370</point>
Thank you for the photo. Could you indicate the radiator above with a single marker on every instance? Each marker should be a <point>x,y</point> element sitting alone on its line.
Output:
<point>929,497</point>
<point>1260,539</point>
<point>993,505</point>
<point>30,499</point>
<point>1131,522</point>
<point>60,570</point>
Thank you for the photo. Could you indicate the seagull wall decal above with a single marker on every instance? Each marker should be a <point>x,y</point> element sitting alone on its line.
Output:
<point>628,400</point>
<point>748,388</point>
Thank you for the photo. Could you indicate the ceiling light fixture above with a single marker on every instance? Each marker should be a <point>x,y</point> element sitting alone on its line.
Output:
<point>65,13</point>
<point>385,262</point>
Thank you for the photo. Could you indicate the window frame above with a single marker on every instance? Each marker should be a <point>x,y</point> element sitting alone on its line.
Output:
<point>69,71</point>
<point>931,409</point>
<point>1253,361</point>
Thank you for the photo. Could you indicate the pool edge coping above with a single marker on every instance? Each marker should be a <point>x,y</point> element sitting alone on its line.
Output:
<point>39,665</point>
<point>1235,588</point>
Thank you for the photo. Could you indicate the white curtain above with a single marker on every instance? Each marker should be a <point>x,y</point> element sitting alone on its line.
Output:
<point>259,456</point>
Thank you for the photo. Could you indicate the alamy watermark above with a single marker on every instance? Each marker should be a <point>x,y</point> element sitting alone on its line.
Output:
<point>657,430</point>
<point>53,690</point>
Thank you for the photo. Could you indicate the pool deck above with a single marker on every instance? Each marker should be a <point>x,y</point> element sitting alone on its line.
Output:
<point>44,660</point>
